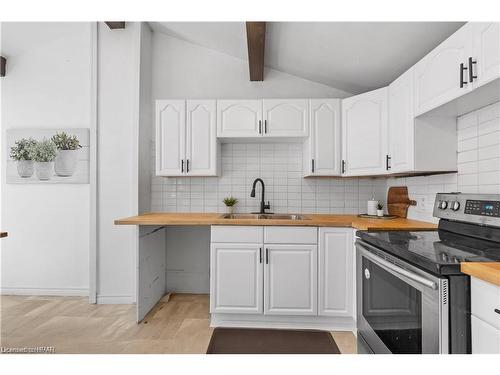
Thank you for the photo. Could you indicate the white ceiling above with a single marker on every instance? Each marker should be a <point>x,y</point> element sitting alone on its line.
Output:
<point>350,56</point>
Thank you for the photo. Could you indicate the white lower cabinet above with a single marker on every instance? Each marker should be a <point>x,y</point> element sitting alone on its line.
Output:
<point>236,278</point>
<point>290,280</point>
<point>485,317</point>
<point>485,337</point>
<point>295,272</point>
<point>336,291</point>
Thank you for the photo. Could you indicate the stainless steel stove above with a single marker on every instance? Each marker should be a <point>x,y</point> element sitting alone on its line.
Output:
<point>411,295</point>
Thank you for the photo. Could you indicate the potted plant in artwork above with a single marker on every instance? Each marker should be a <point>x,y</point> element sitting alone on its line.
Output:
<point>67,154</point>
<point>380,209</point>
<point>230,202</point>
<point>43,154</point>
<point>21,152</point>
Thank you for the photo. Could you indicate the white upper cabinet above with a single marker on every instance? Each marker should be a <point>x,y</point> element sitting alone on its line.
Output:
<point>401,124</point>
<point>186,145</point>
<point>285,117</point>
<point>201,138</point>
<point>322,151</point>
<point>485,58</point>
<point>443,75</point>
<point>364,134</point>
<point>239,118</point>
<point>290,280</point>
<point>336,272</point>
<point>170,137</point>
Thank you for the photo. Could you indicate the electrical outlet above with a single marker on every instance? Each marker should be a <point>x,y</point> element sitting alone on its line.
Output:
<point>421,203</point>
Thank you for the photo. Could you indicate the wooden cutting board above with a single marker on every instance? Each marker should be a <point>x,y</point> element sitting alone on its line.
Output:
<point>398,201</point>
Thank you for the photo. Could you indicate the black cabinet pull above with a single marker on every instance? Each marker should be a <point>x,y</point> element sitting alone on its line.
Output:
<point>387,162</point>
<point>260,126</point>
<point>462,82</point>
<point>471,71</point>
<point>260,254</point>
<point>187,166</point>
<point>265,126</point>
<point>342,167</point>
<point>182,166</point>
<point>267,255</point>
<point>497,311</point>
<point>312,165</point>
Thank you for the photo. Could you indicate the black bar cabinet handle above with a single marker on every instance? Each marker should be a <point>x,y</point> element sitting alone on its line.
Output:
<point>265,126</point>
<point>387,162</point>
<point>471,71</point>
<point>182,166</point>
<point>497,311</point>
<point>260,254</point>
<point>267,255</point>
<point>462,82</point>
<point>312,165</point>
<point>342,167</point>
<point>260,126</point>
<point>187,166</point>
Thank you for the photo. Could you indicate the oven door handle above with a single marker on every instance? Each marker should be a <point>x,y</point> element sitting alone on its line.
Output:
<point>392,267</point>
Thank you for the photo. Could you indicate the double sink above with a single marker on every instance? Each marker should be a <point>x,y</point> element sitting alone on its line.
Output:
<point>265,216</point>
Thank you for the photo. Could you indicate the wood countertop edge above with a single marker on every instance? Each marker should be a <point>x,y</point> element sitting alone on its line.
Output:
<point>486,271</point>
<point>316,220</point>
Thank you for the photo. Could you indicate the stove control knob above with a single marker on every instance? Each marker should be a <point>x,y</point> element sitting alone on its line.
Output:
<point>443,205</point>
<point>455,206</point>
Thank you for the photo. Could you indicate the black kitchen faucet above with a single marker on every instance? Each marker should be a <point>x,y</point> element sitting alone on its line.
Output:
<point>263,205</point>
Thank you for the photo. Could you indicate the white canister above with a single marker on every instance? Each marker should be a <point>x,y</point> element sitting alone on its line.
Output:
<point>371,208</point>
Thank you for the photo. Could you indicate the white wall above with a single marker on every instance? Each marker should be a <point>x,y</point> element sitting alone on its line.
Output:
<point>145,118</point>
<point>185,70</point>
<point>118,118</point>
<point>478,137</point>
<point>48,85</point>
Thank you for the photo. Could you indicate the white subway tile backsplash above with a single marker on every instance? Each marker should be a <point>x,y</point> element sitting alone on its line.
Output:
<point>280,166</point>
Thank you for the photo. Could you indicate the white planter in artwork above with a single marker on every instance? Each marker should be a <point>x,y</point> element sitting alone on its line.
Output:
<point>380,212</point>
<point>66,162</point>
<point>44,169</point>
<point>25,168</point>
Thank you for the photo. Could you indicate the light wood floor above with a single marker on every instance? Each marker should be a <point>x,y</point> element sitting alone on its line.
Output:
<point>72,325</point>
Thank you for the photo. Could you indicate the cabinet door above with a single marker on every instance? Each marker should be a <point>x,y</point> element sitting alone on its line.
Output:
<point>239,118</point>
<point>336,292</point>
<point>437,75</point>
<point>170,137</point>
<point>401,124</point>
<point>364,133</point>
<point>236,278</point>
<point>323,151</point>
<point>286,117</point>
<point>485,337</point>
<point>201,138</point>
<point>290,280</point>
<point>486,52</point>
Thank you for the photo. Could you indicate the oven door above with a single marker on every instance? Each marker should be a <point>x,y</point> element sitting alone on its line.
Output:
<point>400,308</point>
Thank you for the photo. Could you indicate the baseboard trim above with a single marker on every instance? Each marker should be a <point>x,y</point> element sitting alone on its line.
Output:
<point>283,322</point>
<point>66,292</point>
<point>115,299</point>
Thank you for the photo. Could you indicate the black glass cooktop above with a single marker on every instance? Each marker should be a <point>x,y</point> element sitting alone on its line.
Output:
<point>439,252</point>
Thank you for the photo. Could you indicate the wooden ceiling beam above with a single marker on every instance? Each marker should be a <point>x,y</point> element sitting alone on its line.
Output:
<point>256,42</point>
<point>115,24</point>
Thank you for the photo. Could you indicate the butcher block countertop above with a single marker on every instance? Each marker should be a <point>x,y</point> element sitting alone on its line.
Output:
<point>489,272</point>
<point>316,220</point>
